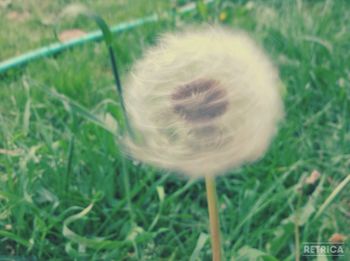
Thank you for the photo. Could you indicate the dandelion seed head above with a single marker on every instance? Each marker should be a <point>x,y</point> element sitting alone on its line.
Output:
<point>202,102</point>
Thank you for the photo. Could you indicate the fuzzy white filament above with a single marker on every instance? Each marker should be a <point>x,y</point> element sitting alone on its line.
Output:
<point>202,102</point>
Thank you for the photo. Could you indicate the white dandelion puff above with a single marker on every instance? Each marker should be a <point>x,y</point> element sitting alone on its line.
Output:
<point>202,101</point>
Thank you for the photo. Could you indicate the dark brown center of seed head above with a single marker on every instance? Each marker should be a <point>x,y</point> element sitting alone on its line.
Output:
<point>200,101</point>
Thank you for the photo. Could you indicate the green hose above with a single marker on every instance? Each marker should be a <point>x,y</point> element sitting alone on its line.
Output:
<point>93,36</point>
<point>58,47</point>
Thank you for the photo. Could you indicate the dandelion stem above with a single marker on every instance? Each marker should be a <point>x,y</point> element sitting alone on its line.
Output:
<point>213,217</point>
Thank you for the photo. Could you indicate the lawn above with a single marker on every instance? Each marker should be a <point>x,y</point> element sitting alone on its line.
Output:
<point>62,192</point>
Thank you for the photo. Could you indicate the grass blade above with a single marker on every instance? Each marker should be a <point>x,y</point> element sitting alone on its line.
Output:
<point>82,111</point>
<point>200,244</point>
<point>330,198</point>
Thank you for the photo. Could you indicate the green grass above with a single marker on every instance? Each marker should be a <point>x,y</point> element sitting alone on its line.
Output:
<point>56,161</point>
